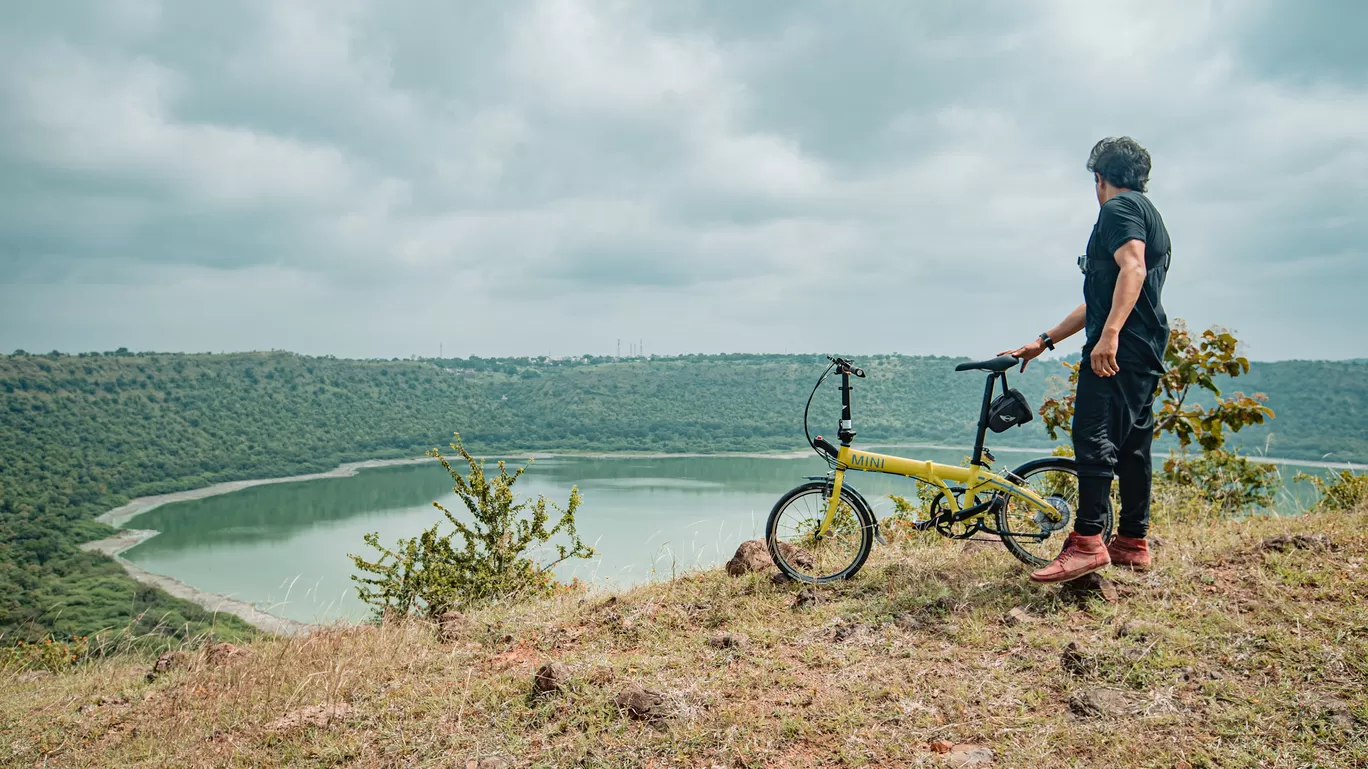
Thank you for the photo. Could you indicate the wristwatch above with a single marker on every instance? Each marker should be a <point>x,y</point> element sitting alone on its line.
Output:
<point>1045,337</point>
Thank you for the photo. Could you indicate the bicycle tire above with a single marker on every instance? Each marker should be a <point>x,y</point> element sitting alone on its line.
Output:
<point>789,563</point>
<point>1022,476</point>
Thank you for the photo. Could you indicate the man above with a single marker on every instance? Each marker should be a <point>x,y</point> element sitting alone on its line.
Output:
<point>1124,270</point>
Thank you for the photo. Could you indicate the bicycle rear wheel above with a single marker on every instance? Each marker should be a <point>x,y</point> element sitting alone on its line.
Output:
<point>1027,532</point>
<point>803,555</point>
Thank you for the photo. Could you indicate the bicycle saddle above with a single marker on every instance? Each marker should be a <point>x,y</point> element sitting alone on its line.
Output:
<point>996,364</point>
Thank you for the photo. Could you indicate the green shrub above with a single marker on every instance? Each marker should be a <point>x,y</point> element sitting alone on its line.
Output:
<point>491,557</point>
<point>50,655</point>
<point>1229,481</point>
<point>1225,481</point>
<point>1344,490</point>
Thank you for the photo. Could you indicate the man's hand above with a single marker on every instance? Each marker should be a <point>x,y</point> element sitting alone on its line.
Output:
<point>1027,352</point>
<point>1104,354</point>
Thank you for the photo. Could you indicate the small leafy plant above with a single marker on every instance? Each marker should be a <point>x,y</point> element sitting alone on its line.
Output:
<point>1343,490</point>
<point>487,558</point>
<point>1226,479</point>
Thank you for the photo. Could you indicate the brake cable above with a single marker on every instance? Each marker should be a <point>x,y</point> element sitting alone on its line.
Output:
<point>807,432</point>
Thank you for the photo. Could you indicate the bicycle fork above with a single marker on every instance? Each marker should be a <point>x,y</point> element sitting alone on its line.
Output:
<point>833,503</point>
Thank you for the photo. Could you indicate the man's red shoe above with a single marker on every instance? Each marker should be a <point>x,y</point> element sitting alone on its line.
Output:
<point>1131,552</point>
<point>1081,555</point>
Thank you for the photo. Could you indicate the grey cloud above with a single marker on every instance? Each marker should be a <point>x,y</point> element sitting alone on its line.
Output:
<point>338,176</point>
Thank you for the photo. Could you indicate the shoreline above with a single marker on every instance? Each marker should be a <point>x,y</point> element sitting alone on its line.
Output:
<point>124,539</point>
<point>127,538</point>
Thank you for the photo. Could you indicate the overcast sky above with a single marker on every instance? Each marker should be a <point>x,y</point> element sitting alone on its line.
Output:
<point>381,178</point>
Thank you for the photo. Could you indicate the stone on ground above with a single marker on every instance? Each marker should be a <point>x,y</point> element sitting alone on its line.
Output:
<point>1089,586</point>
<point>449,626</point>
<point>969,755</point>
<point>642,704</point>
<point>317,716</point>
<point>1286,542</point>
<point>222,653</point>
<point>753,555</point>
<point>1103,703</point>
<point>550,678</point>
<point>729,641</point>
<point>168,661</point>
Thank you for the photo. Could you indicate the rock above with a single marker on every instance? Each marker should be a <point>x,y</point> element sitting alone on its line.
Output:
<point>1103,703</point>
<point>941,746</point>
<point>805,598</point>
<point>449,626</point>
<point>317,716</point>
<point>167,662</point>
<point>550,678</point>
<point>844,630</point>
<point>780,578</point>
<point>1338,713</point>
<point>729,641</point>
<point>1087,587</point>
<point>753,555</point>
<point>488,762</point>
<point>641,704</point>
<point>222,653</point>
<point>1140,629</point>
<point>1018,616</point>
<point>970,755</point>
<point>1285,542</point>
<point>1074,661</point>
<point>910,623</point>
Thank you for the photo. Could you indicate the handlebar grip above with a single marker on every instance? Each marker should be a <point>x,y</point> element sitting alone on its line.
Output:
<point>825,446</point>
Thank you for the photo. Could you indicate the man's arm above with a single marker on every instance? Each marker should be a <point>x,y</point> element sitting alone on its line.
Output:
<point>1068,327</point>
<point>1130,257</point>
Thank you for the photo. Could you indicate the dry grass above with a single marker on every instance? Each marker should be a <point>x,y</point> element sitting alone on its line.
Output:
<point>1227,655</point>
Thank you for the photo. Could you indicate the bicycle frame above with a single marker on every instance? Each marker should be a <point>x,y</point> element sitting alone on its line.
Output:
<point>975,479</point>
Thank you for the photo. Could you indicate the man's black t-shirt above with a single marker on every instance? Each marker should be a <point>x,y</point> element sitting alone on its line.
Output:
<point>1129,216</point>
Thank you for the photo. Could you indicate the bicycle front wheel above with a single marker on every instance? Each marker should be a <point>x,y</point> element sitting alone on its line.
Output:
<point>804,554</point>
<point>1027,532</point>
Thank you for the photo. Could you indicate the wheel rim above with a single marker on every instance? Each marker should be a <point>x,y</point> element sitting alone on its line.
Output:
<point>802,553</point>
<point>1028,527</point>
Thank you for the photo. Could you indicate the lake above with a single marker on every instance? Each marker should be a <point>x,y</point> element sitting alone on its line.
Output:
<point>284,546</point>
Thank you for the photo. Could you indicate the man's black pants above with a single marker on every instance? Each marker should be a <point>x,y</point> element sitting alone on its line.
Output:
<point>1113,428</point>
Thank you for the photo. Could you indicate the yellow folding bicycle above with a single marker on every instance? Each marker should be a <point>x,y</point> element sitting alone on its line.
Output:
<point>823,530</point>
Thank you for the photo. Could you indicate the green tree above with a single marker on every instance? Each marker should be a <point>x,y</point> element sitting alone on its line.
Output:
<point>1227,479</point>
<point>492,561</point>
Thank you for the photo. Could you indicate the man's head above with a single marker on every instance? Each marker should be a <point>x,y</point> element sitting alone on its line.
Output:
<point>1118,164</point>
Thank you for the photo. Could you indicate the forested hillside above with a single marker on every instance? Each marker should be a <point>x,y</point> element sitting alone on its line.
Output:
<point>81,434</point>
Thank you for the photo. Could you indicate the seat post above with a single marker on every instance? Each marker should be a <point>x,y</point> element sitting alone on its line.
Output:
<point>983,418</point>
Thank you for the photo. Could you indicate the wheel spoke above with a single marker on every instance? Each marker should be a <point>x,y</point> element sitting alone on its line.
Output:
<point>1028,532</point>
<point>809,555</point>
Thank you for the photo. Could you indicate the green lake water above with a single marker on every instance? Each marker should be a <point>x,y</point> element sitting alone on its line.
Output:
<point>284,546</point>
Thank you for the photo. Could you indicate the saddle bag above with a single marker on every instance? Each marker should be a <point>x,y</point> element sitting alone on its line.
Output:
<point>1009,410</point>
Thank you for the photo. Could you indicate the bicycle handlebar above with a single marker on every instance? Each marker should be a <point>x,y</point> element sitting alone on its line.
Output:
<point>846,367</point>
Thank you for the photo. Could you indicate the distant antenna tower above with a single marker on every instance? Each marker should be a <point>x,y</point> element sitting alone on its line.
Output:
<point>619,352</point>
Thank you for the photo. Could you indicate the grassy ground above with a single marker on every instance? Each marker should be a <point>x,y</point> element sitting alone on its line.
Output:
<point>1229,654</point>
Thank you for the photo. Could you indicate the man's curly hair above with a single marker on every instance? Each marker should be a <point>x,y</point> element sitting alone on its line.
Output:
<point>1121,161</point>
